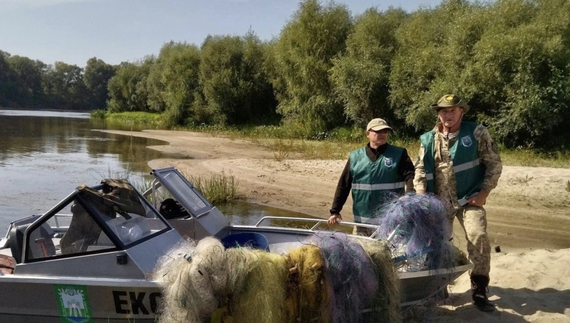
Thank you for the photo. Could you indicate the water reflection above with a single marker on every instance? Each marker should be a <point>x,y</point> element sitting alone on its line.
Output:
<point>236,211</point>
<point>44,155</point>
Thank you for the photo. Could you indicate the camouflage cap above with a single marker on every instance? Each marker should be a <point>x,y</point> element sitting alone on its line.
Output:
<point>450,100</point>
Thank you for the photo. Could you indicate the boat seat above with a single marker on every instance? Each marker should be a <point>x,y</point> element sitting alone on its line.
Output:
<point>171,209</point>
<point>40,244</point>
<point>83,231</point>
<point>252,240</point>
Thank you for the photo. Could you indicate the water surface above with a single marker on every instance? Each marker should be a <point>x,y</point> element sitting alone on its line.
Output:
<point>45,155</point>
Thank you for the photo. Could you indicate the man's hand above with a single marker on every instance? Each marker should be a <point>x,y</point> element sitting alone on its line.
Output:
<point>479,199</point>
<point>335,219</point>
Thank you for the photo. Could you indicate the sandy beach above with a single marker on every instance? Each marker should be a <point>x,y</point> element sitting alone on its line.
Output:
<point>528,219</point>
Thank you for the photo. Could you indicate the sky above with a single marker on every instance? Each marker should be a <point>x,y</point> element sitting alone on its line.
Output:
<point>73,31</point>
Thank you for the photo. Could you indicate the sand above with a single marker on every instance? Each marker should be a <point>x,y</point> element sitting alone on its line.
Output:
<point>528,219</point>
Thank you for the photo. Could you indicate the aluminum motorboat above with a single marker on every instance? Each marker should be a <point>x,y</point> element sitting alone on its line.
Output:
<point>91,257</point>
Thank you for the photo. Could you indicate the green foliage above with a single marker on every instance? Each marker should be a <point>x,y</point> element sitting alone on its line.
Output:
<point>428,63</point>
<point>5,80</point>
<point>173,83</point>
<point>25,83</point>
<point>234,83</point>
<point>509,59</point>
<point>63,84</point>
<point>533,157</point>
<point>361,76</point>
<point>135,120</point>
<point>303,57</point>
<point>128,88</point>
<point>98,114</point>
<point>27,80</point>
<point>96,77</point>
<point>218,188</point>
<point>521,68</point>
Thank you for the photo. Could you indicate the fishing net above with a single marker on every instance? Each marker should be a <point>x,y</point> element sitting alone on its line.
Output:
<point>334,278</point>
<point>308,299</point>
<point>193,279</point>
<point>417,229</point>
<point>387,301</point>
<point>351,277</point>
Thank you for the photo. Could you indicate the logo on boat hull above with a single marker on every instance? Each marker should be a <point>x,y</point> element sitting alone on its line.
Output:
<point>73,303</point>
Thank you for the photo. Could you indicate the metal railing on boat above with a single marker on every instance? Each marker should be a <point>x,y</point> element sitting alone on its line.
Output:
<point>315,226</point>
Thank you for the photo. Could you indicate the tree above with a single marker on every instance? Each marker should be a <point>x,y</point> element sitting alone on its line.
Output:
<point>303,58</point>
<point>96,78</point>
<point>520,70</point>
<point>428,63</point>
<point>6,80</point>
<point>28,80</point>
<point>64,86</point>
<point>361,77</point>
<point>173,83</point>
<point>128,87</point>
<point>233,79</point>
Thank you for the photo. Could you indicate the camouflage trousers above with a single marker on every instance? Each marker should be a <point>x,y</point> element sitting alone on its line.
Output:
<point>473,220</point>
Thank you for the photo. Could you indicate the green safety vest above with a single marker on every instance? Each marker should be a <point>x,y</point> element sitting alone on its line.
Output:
<point>373,181</point>
<point>468,169</point>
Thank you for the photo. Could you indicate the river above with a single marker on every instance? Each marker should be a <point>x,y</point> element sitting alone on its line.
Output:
<point>45,155</point>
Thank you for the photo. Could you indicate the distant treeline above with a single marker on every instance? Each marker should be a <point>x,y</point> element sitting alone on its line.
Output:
<point>328,69</point>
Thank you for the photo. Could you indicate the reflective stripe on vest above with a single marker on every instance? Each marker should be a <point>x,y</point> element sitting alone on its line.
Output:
<point>378,187</point>
<point>466,166</point>
<point>458,168</point>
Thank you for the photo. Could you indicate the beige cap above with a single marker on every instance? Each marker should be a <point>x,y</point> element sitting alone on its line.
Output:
<point>377,124</point>
<point>450,100</point>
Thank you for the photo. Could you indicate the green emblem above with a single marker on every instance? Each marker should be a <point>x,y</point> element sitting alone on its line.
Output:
<point>73,304</point>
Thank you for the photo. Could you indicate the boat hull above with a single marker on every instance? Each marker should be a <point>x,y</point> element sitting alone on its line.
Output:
<point>419,286</point>
<point>77,300</point>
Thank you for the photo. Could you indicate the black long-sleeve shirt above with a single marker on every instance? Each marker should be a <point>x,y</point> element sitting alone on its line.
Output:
<point>406,170</point>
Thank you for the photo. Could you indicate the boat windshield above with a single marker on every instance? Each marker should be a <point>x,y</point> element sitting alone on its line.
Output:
<point>109,217</point>
<point>184,192</point>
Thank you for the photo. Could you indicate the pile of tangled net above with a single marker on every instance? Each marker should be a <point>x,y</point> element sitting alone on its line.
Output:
<point>418,232</point>
<point>331,278</point>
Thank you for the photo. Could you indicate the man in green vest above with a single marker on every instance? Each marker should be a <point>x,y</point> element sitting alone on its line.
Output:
<point>459,162</point>
<point>374,173</point>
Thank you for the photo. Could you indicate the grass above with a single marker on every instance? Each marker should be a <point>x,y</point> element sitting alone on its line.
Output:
<point>217,188</point>
<point>289,142</point>
<point>521,180</point>
<point>339,149</point>
<point>528,157</point>
<point>324,149</point>
<point>131,120</point>
<point>282,149</point>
